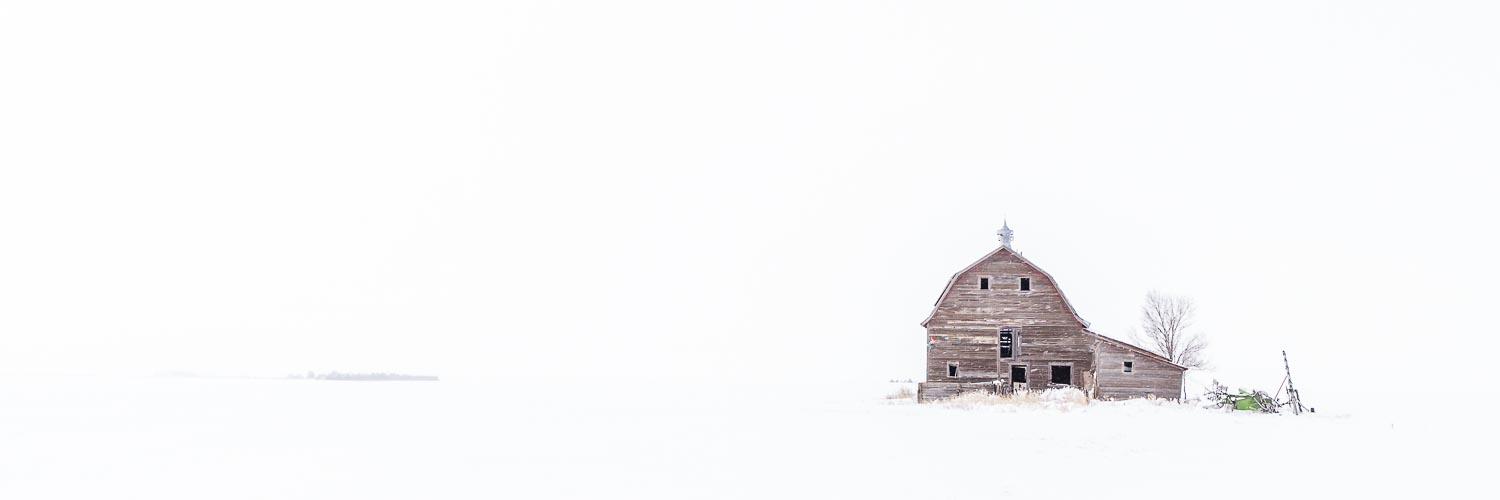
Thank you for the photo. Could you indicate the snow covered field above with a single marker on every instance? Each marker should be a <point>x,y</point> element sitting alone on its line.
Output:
<point>77,437</point>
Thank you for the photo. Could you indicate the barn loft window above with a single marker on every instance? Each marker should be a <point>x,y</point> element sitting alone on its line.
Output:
<point>1062,375</point>
<point>1025,284</point>
<point>952,369</point>
<point>1007,343</point>
<point>1129,366</point>
<point>984,283</point>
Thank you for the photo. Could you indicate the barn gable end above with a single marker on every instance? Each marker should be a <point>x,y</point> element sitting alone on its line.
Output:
<point>963,302</point>
<point>965,324</point>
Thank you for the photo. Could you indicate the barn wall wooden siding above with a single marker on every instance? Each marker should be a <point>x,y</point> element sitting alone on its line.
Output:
<point>964,329</point>
<point>1148,376</point>
<point>965,326</point>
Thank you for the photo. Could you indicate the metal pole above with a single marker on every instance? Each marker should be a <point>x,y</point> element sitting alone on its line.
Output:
<point>1290,391</point>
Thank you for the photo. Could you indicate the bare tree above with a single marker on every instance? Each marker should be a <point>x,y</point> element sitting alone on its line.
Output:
<point>1165,320</point>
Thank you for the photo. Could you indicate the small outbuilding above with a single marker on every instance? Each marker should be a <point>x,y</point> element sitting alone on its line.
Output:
<point>1003,324</point>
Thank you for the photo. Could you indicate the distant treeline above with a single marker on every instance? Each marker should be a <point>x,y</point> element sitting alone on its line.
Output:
<point>368,376</point>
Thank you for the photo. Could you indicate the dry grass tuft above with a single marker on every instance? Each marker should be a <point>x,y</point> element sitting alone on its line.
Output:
<point>905,392</point>
<point>1059,399</point>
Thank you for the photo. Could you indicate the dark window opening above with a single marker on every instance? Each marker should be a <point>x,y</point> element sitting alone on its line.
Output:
<point>1007,344</point>
<point>1025,284</point>
<point>1018,373</point>
<point>1062,375</point>
<point>1129,366</point>
<point>984,283</point>
<point>952,369</point>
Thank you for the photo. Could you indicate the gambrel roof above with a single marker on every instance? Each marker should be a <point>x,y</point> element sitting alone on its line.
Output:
<point>1023,260</point>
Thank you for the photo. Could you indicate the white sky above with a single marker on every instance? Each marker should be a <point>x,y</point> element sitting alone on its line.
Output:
<point>607,190</point>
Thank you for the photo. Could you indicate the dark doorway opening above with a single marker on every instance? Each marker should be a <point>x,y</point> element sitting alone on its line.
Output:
<point>1062,375</point>
<point>1018,374</point>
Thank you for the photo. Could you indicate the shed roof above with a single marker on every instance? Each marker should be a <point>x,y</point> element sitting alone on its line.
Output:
<point>1134,348</point>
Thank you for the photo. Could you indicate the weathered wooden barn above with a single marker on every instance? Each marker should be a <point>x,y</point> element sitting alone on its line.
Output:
<point>1003,324</point>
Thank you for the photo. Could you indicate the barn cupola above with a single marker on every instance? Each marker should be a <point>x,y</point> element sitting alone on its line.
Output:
<point>1006,234</point>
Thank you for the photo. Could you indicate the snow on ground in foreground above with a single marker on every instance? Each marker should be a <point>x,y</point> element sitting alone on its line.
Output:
<point>295,439</point>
